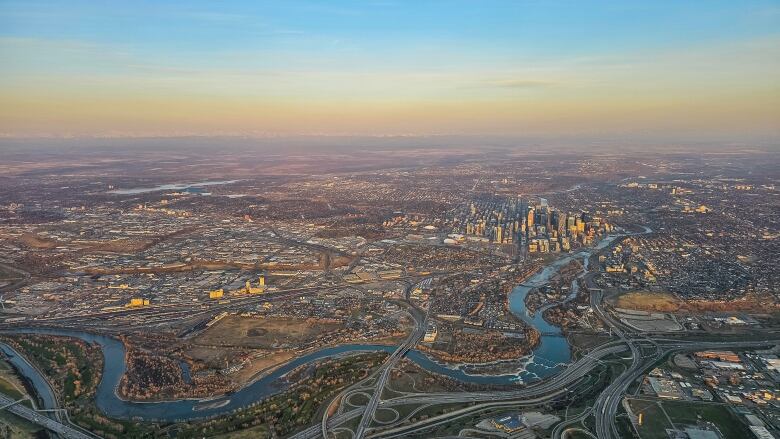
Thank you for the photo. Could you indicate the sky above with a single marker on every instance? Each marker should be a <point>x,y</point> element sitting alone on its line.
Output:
<point>666,69</point>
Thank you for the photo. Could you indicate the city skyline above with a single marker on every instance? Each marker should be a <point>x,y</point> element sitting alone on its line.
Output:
<point>376,219</point>
<point>672,70</point>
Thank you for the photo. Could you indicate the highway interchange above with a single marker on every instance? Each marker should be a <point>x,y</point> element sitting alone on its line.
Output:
<point>387,367</point>
<point>339,419</point>
<point>645,352</point>
<point>63,430</point>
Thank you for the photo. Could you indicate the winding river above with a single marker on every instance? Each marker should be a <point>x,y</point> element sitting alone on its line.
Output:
<point>44,392</point>
<point>551,355</point>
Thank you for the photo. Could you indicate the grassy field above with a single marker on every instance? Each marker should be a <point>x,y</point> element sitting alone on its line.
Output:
<point>235,335</point>
<point>684,414</point>
<point>384,415</point>
<point>259,432</point>
<point>585,341</point>
<point>18,428</point>
<point>654,422</point>
<point>411,378</point>
<point>690,413</point>
<point>578,435</point>
<point>10,384</point>
<point>359,400</point>
<point>9,388</point>
<point>264,333</point>
<point>648,301</point>
<point>453,428</point>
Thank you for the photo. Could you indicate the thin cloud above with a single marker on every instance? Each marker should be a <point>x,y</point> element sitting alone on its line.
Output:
<point>522,83</point>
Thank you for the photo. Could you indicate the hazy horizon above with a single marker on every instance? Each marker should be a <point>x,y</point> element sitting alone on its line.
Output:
<point>645,72</point>
<point>294,144</point>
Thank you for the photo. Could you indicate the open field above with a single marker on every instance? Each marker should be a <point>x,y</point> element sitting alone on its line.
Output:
<point>261,364</point>
<point>686,413</point>
<point>667,302</point>
<point>17,428</point>
<point>264,333</point>
<point>10,389</point>
<point>10,384</point>
<point>258,432</point>
<point>654,422</point>
<point>34,241</point>
<point>660,415</point>
<point>218,357</point>
<point>649,301</point>
<point>267,342</point>
<point>585,341</point>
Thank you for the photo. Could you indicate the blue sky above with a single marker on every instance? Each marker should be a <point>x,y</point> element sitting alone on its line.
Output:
<point>369,60</point>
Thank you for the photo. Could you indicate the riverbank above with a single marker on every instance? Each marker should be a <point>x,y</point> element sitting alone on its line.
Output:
<point>547,359</point>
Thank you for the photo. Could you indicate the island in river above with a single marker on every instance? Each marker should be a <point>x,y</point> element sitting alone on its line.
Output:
<point>550,355</point>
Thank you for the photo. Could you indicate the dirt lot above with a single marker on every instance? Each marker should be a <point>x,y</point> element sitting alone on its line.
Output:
<point>264,333</point>
<point>34,241</point>
<point>666,302</point>
<point>263,342</point>
<point>260,343</point>
<point>647,301</point>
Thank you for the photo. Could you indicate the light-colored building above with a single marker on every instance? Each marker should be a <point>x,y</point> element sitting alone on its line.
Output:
<point>430,334</point>
<point>665,388</point>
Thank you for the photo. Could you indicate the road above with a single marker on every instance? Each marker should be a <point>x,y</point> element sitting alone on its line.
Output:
<point>605,408</point>
<point>50,424</point>
<point>386,369</point>
<point>316,431</point>
<point>24,278</point>
<point>568,377</point>
<point>543,391</point>
<point>606,405</point>
<point>645,352</point>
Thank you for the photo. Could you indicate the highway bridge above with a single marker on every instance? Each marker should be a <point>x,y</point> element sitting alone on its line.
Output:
<point>384,374</point>
<point>645,352</point>
<point>21,410</point>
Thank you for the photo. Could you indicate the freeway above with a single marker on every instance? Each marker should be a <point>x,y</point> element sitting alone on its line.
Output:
<point>380,376</point>
<point>572,374</point>
<point>543,391</point>
<point>535,394</point>
<point>316,431</point>
<point>447,418</point>
<point>384,374</point>
<point>605,408</point>
<point>606,405</point>
<point>645,353</point>
<point>50,424</point>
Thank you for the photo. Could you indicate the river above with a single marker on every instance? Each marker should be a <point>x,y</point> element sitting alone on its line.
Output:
<point>169,187</point>
<point>551,355</point>
<point>43,391</point>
